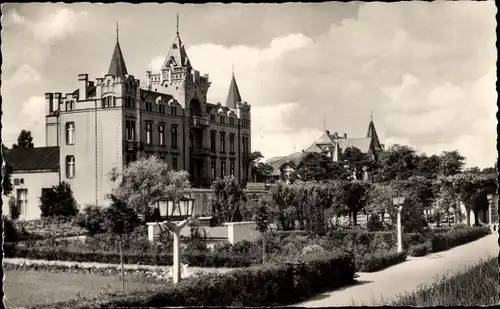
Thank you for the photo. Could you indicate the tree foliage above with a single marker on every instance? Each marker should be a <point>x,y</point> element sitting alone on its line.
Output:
<point>261,171</point>
<point>227,200</point>
<point>24,140</point>
<point>145,181</point>
<point>397,163</point>
<point>58,201</point>
<point>320,167</point>
<point>452,163</point>
<point>13,208</point>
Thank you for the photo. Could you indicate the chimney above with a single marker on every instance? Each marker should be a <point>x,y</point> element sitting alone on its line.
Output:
<point>345,135</point>
<point>57,100</point>
<point>83,78</point>
<point>336,135</point>
<point>49,103</point>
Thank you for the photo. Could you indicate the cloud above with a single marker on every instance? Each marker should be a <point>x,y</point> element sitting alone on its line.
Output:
<point>14,18</point>
<point>57,25</point>
<point>22,76</point>
<point>32,118</point>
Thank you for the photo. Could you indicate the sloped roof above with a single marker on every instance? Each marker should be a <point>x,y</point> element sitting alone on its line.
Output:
<point>33,159</point>
<point>233,95</point>
<point>117,66</point>
<point>313,148</point>
<point>362,144</point>
<point>325,138</point>
<point>177,55</point>
<point>273,159</point>
<point>294,157</point>
<point>372,133</point>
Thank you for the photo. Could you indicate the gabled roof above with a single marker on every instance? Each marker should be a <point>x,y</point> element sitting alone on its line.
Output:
<point>33,159</point>
<point>233,95</point>
<point>362,144</point>
<point>177,55</point>
<point>325,138</point>
<point>117,66</point>
<point>313,148</point>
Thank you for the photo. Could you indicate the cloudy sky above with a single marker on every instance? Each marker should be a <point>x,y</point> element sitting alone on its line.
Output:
<point>426,70</point>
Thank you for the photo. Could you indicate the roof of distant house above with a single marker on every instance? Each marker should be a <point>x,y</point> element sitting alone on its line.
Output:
<point>33,159</point>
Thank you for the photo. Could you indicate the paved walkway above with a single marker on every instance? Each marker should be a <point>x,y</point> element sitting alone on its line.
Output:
<point>381,287</point>
<point>18,261</point>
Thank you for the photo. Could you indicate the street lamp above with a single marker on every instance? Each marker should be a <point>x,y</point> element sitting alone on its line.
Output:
<point>398,202</point>
<point>180,210</point>
<point>490,204</point>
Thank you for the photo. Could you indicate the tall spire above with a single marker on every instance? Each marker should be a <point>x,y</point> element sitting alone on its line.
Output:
<point>177,24</point>
<point>117,66</point>
<point>177,55</point>
<point>233,95</point>
<point>372,133</point>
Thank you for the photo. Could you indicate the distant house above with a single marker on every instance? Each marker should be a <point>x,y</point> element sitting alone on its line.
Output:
<point>331,144</point>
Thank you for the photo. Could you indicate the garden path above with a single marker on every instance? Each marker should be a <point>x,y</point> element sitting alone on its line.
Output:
<point>382,287</point>
<point>17,261</point>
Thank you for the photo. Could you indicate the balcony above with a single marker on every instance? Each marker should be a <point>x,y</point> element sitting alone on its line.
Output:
<point>133,146</point>
<point>199,151</point>
<point>199,122</point>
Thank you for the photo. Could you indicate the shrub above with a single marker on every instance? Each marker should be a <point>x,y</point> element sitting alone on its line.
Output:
<point>11,234</point>
<point>378,261</point>
<point>475,287</point>
<point>58,201</point>
<point>457,237</point>
<point>13,208</point>
<point>119,218</point>
<point>49,227</point>
<point>196,242</point>
<point>374,223</point>
<point>266,285</point>
<point>418,250</point>
<point>92,219</point>
<point>312,249</point>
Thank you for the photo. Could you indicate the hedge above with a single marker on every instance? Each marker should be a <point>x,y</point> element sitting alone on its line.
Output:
<point>202,259</point>
<point>265,285</point>
<point>418,250</point>
<point>457,237</point>
<point>378,261</point>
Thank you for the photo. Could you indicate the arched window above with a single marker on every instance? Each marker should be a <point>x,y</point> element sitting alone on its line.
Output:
<point>70,133</point>
<point>109,101</point>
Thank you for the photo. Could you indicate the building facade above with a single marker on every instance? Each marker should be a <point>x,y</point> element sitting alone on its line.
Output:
<point>333,145</point>
<point>112,121</point>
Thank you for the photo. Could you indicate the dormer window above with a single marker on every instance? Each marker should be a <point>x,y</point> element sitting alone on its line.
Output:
<point>162,108</point>
<point>212,117</point>
<point>174,111</point>
<point>149,106</point>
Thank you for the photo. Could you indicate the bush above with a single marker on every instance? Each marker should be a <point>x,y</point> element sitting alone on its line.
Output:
<point>456,237</point>
<point>266,285</point>
<point>379,261</point>
<point>13,208</point>
<point>418,250</point>
<point>49,227</point>
<point>374,223</point>
<point>119,218</point>
<point>312,249</point>
<point>58,201</point>
<point>11,234</point>
<point>92,219</point>
<point>475,287</point>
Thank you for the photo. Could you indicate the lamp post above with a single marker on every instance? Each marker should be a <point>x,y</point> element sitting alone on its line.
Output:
<point>490,204</point>
<point>180,210</point>
<point>398,202</point>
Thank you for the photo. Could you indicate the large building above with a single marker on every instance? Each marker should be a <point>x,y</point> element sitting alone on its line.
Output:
<point>332,145</point>
<point>109,122</point>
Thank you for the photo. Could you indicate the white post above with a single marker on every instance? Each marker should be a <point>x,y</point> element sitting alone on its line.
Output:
<point>400,236</point>
<point>489,214</point>
<point>176,268</point>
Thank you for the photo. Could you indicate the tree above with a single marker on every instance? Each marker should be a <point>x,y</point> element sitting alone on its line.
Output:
<point>58,201</point>
<point>285,199</point>
<point>452,163</point>
<point>227,200</point>
<point>428,167</point>
<point>24,140</point>
<point>92,219</point>
<point>13,208</point>
<point>353,195</point>
<point>7,186</point>
<point>260,171</point>
<point>262,218</point>
<point>320,167</point>
<point>145,181</point>
<point>356,160</point>
<point>120,219</point>
<point>398,162</point>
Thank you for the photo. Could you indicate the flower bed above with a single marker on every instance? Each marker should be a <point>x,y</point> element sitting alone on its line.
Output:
<point>47,228</point>
<point>265,285</point>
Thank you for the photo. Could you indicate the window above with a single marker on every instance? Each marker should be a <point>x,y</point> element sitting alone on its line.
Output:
<point>174,163</point>
<point>149,106</point>
<point>70,167</point>
<point>231,121</point>
<point>222,119</point>
<point>161,135</point>
<point>149,133</point>
<point>22,200</point>
<point>231,143</point>
<point>222,169</point>
<point>162,108</point>
<point>191,142</point>
<point>174,111</point>
<point>130,158</point>
<point>130,127</point>
<point>212,117</point>
<point>222,142</point>
<point>70,133</point>
<point>109,101</point>
<point>129,102</point>
<point>174,136</point>
<point>213,145</point>
<point>231,168</point>
<point>70,105</point>
<point>213,169</point>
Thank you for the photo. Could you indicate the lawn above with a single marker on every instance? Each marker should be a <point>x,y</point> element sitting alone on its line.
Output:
<point>30,288</point>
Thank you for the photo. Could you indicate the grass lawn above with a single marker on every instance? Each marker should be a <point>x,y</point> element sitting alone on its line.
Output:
<point>29,288</point>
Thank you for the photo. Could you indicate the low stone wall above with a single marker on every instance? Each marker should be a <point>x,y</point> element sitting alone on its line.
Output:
<point>231,232</point>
